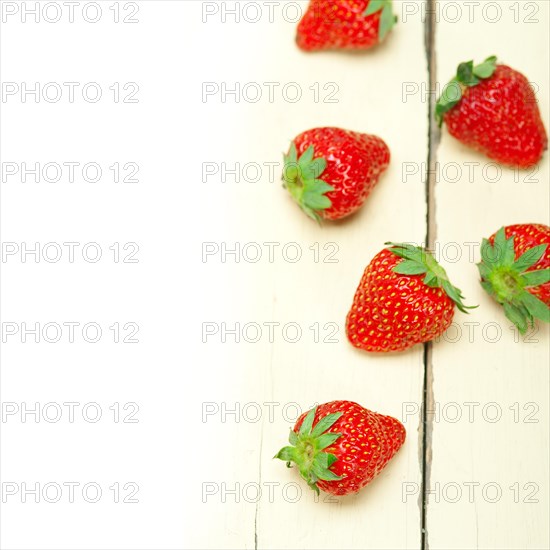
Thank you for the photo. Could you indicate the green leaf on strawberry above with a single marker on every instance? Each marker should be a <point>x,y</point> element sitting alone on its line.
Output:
<point>307,449</point>
<point>387,18</point>
<point>487,68</point>
<point>467,75</point>
<point>374,6</point>
<point>418,261</point>
<point>508,280</point>
<point>301,178</point>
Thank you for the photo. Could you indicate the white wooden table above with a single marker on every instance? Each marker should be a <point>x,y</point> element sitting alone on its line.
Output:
<point>473,472</point>
<point>486,479</point>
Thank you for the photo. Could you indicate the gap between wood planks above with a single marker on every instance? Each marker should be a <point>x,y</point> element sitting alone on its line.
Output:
<point>434,134</point>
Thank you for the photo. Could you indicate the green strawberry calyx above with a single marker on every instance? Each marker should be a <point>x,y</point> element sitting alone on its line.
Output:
<point>418,261</point>
<point>307,446</point>
<point>508,280</point>
<point>301,178</point>
<point>467,75</point>
<point>387,18</point>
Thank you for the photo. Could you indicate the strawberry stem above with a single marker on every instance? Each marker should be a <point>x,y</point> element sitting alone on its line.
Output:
<point>301,178</point>
<point>508,280</point>
<point>306,449</point>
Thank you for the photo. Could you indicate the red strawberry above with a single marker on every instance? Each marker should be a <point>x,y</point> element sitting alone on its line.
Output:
<point>515,271</point>
<point>492,108</point>
<point>345,24</point>
<point>340,446</point>
<point>404,298</point>
<point>350,164</point>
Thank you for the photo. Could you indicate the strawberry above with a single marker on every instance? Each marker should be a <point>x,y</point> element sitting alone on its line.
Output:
<point>350,164</point>
<point>493,109</point>
<point>404,298</point>
<point>344,24</point>
<point>340,446</point>
<point>515,271</point>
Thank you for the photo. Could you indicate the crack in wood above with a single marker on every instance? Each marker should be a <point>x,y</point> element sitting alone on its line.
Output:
<point>426,420</point>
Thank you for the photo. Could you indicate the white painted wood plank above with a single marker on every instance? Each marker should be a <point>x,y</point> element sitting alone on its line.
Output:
<point>369,100</point>
<point>507,457</point>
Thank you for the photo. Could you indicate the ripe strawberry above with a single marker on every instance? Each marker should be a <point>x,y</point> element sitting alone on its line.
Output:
<point>340,446</point>
<point>404,298</point>
<point>345,24</point>
<point>350,164</point>
<point>492,108</point>
<point>515,271</point>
